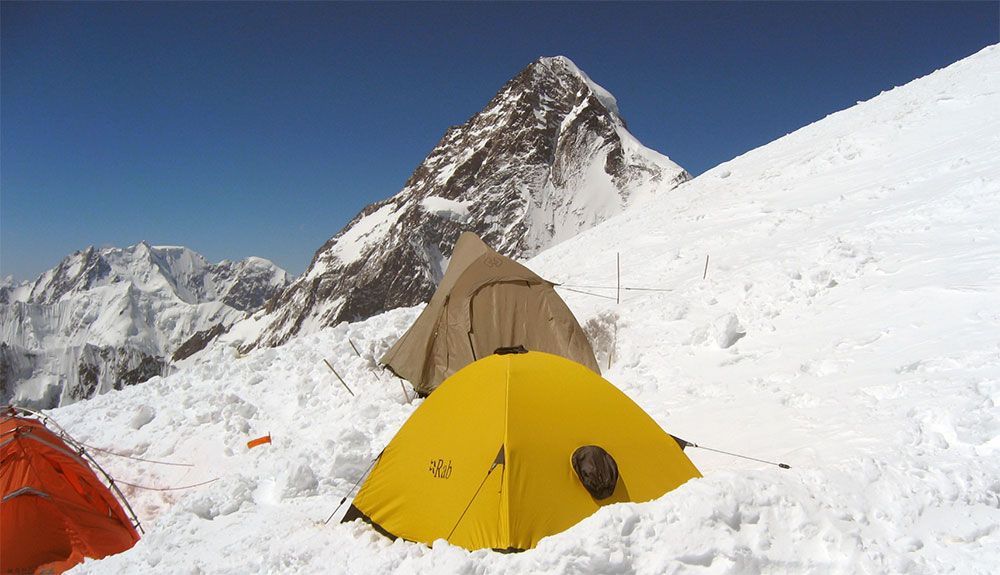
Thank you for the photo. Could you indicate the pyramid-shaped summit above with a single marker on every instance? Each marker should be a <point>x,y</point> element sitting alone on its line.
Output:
<point>547,158</point>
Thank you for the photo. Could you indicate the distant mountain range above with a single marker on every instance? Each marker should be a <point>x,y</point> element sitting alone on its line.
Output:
<point>106,318</point>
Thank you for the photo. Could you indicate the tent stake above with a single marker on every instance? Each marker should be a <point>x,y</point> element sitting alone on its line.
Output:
<point>338,376</point>
<point>353,347</point>
<point>705,274</point>
<point>406,395</point>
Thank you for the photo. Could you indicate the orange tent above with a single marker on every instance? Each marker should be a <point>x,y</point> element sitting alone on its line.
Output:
<point>55,511</point>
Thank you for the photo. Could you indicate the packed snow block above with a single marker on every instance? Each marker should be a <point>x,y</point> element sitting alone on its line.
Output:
<point>724,332</point>
<point>728,330</point>
<point>602,331</point>
<point>299,481</point>
<point>142,416</point>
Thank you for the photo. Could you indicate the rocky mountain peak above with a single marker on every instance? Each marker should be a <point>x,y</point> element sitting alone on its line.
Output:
<point>548,157</point>
<point>563,71</point>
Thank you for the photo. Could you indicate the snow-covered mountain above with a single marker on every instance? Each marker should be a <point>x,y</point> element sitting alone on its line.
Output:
<point>848,326</point>
<point>547,158</point>
<point>106,318</point>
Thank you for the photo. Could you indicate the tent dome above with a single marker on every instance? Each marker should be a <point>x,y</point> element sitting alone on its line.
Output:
<point>487,461</point>
<point>55,511</point>
<point>485,301</point>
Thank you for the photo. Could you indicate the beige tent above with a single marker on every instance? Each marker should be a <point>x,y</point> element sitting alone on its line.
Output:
<point>484,302</point>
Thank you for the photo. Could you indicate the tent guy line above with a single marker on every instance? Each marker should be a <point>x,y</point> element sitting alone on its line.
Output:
<point>122,455</point>
<point>166,488</point>
<point>588,293</point>
<point>623,288</point>
<point>685,443</point>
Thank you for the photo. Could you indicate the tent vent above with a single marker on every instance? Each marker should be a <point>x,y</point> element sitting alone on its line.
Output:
<point>501,457</point>
<point>597,471</point>
<point>510,350</point>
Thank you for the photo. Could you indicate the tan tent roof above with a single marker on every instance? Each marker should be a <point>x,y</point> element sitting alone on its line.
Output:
<point>485,301</point>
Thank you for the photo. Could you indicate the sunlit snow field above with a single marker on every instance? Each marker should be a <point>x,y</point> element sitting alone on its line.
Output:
<point>848,325</point>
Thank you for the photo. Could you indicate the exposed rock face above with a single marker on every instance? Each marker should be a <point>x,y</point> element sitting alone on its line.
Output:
<point>198,342</point>
<point>106,318</point>
<point>547,158</point>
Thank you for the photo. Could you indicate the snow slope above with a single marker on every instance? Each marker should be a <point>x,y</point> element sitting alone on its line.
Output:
<point>848,326</point>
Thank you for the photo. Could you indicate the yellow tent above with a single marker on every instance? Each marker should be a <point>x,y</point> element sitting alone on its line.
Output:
<point>513,448</point>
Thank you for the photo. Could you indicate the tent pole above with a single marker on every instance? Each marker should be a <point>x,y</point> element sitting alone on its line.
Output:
<point>476,494</point>
<point>472,347</point>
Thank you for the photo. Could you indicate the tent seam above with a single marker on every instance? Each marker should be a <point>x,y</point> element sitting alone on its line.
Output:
<point>505,481</point>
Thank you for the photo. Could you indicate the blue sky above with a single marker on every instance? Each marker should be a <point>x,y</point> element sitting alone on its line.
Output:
<point>241,129</point>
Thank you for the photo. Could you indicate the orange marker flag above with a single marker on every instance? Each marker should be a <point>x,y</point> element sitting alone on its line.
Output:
<point>259,441</point>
